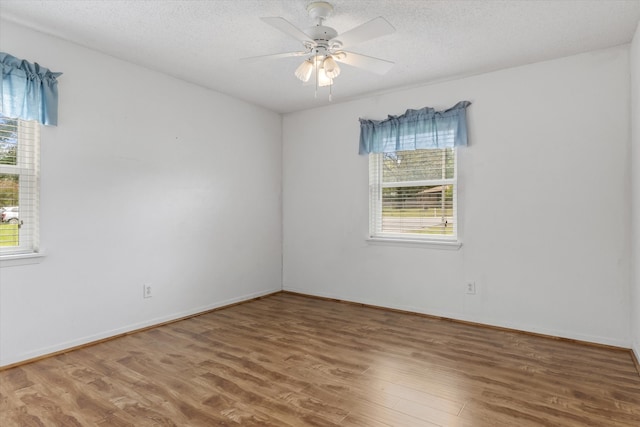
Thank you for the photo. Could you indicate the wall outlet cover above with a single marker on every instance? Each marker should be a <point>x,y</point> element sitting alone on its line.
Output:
<point>471,288</point>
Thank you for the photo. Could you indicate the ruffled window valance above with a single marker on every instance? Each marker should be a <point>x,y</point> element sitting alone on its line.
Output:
<point>28,91</point>
<point>415,129</point>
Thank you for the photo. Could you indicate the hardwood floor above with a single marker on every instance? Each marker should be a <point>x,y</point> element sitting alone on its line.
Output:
<point>291,360</point>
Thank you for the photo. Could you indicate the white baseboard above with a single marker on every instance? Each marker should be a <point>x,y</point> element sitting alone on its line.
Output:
<point>465,318</point>
<point>129,328</point>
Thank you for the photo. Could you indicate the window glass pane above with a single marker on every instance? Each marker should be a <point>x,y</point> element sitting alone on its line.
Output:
<point>9,210</point>
<point>8,141</point>
<point>419,210</point>
<point>418,165</point>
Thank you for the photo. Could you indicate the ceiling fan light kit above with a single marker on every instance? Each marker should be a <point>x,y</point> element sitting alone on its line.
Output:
<point>324,46</point>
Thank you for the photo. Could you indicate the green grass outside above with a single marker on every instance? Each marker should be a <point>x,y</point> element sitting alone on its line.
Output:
<point>422,213</point>
<point>9,235</point>
<point>416,212</point>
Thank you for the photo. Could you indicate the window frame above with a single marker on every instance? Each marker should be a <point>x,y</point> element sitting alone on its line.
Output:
<point>27,168</point>
<point>375,233</point>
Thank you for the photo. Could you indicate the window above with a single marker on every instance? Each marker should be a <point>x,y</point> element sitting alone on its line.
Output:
<point>19,185</point>
<point>412,173</point>
<point>413,194</point>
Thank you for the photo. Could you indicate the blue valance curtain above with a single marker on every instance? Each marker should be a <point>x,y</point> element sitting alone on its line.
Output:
<point>415,129</point>
<point>28,91</point>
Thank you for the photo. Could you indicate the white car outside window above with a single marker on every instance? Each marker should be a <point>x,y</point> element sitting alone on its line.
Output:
<point>10,214</point>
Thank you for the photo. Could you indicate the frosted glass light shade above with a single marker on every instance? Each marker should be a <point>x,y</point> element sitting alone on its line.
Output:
<point>330,67</point>
<point>304,70</point>
<point>323,79</point>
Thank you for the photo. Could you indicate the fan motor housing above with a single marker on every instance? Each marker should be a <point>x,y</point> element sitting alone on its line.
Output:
<point>320,33</point>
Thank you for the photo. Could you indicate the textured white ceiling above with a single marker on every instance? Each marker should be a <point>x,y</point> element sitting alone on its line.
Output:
<point>202,41</point>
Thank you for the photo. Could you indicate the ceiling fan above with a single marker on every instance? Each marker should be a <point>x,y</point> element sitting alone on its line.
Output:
<point>323,46</point>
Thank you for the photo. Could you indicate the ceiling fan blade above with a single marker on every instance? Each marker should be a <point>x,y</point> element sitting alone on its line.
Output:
<point>287,28</point>
<point>274,56</point>
<point>368,63</point>
<point>377,27</point>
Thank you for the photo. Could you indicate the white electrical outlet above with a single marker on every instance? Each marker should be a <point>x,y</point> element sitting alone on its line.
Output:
<point>471,288</point>
<point>147,291</point>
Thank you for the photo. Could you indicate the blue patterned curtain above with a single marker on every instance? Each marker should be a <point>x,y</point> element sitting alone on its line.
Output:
<point>28,91</point>
<point>415,129</point>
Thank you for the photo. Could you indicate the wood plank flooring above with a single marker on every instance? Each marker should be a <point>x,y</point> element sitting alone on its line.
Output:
<point>289,360</point>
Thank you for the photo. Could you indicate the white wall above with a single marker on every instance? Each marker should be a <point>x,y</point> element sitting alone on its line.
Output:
<point>147,179</point>
<point>635,185</point>
<point>544,203</point>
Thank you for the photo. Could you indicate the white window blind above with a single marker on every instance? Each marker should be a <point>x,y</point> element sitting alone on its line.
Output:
<point>412,194</point>
<point>19,185</point>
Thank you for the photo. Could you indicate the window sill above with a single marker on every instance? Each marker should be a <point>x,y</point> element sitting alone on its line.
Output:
<point>432,244</point>
<point>13,260</point>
